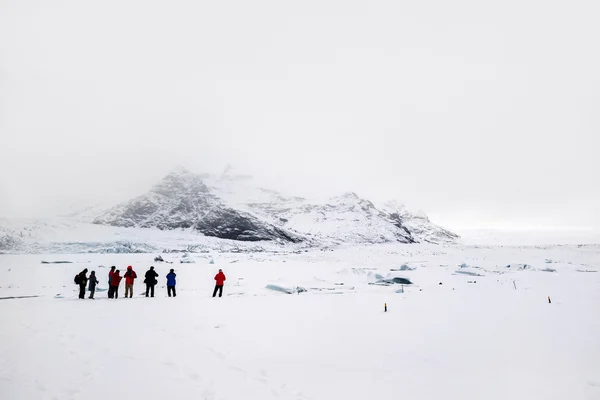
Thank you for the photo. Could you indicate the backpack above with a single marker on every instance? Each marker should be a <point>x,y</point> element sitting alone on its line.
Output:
<point>77,279</point>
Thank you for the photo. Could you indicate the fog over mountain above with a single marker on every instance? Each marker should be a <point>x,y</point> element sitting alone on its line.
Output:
<point>470,113</point>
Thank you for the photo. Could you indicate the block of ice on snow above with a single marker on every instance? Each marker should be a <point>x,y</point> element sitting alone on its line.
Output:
<point>401,281</point>
<point>404,267</point>
<point>470,273</point>
<point>396,280</point>
<point>287,290</point>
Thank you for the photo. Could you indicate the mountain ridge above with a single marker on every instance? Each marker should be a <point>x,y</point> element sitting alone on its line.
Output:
<point>233,207</point>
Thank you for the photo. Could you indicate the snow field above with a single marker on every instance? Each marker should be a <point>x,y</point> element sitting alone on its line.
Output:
<point>458,340</point>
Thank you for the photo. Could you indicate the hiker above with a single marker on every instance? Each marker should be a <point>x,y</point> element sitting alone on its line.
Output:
<point>93,283</point>
<point>220,281</point>
<point>150,281</point>
<point>110,275</point>
<point>129,276</point>
<point>113,291</point>
<point>81,280</point>
<point>171,283</point>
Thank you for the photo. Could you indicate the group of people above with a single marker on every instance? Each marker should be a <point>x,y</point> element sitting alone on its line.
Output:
<point>150,279</point>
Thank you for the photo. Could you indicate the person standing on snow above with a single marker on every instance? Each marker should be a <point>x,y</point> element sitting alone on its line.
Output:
<point>114,285</point>
<point>129,276</point>
<point>171,283</point>
<point>220,281</point>
<point>110,275</point>
<point>150,281</point>
<point>81,279</point>
<point>93,283</point>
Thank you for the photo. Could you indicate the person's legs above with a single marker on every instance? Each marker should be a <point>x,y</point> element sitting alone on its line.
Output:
<point>147,289</point>
<point>82,291</point>
<point>116,292</point>
<point>169,290</point>
<point>152,291</point>
<point>174,292</point>
<point>215,291</point>
<point>110,292</point>
<point>221,291</point>
<point>92,291</point>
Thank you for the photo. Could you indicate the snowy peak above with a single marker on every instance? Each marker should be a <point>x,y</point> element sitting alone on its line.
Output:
<point>351,202</point>
<point>418,224</point>
<point>181,200</point>
<point>183,182</point>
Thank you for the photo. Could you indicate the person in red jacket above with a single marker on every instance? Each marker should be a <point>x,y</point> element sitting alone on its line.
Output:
<point>220,281</point>
<point>130,276</point>
<point>114,285</point>
<point>110,275</point>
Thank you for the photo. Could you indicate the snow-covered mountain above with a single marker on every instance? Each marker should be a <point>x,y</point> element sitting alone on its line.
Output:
<point>192,211</point>
<point>342,219</point>
<point>181,200</point>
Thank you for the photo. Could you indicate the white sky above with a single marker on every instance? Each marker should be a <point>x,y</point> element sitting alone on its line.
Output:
<point>479,113</point>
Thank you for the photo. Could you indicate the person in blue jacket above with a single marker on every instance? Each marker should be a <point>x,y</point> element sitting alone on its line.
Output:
<point>171,283</point>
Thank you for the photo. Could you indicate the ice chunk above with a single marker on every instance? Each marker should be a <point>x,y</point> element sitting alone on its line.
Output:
<point>185,259</point>
<point>57,262</point>
<point>470,273</point>
<point>287,290</point>
<point>403,267</point>
<point>401,281</point>
<point>396,280</point>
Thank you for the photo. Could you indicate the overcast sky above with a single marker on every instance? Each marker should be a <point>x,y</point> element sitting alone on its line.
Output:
<point>477,112</point>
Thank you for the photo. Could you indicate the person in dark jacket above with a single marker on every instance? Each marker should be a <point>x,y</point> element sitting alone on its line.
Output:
<point>171,283</point>
<point>114,285</point>
<point>82,281</point>
<point>93,283</point>
<point>129,276</point>
<point>220,281</point>
<point>150,281</point>
<point>110,275</point>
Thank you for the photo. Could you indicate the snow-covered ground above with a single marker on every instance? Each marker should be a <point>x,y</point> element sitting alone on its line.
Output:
<point>474,336</point>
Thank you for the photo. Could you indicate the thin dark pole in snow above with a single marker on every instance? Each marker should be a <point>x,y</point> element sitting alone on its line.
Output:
<point>384,307</point>
<point>515,283</point>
